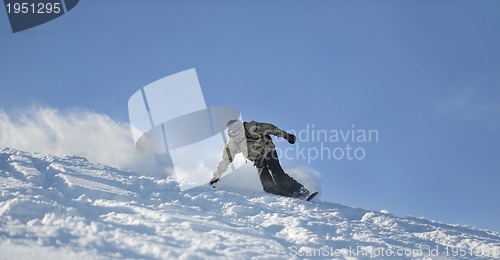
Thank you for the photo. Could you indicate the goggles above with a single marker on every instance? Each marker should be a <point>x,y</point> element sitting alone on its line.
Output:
<point>234,129</point>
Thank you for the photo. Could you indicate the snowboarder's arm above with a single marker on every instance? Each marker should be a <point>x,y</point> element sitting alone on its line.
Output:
<point>227,158</point>
<point>267,129</point>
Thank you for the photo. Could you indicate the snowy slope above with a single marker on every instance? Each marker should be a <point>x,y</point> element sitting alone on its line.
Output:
<point>66,207</point>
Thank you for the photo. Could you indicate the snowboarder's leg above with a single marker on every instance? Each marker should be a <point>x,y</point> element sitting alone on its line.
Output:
<point>286,184</point>
<point>267,181</point>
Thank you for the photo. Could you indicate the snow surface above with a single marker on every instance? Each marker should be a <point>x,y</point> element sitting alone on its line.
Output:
<point>66,207</point>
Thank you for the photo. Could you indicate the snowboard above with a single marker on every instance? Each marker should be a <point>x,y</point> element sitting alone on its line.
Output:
<point>312,196</point>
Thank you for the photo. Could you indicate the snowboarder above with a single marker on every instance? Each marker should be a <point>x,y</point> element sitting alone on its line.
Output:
<point>254,141</point>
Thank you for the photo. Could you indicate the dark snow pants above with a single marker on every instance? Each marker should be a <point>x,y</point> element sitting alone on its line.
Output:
<point>274,179</point>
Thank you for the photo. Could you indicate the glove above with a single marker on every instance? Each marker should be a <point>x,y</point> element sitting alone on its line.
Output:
<point>291,138</point>
<point>214,180</point>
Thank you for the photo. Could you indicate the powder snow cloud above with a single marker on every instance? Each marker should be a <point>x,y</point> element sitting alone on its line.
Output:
<point>76,132</point>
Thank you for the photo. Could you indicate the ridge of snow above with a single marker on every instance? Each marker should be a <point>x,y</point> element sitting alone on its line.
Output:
<point>66,207</point>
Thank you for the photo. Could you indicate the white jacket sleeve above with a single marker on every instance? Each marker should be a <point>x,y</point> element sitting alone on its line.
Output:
<point>227,158</point>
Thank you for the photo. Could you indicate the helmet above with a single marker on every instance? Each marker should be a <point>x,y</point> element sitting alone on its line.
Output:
<point>235,129</point>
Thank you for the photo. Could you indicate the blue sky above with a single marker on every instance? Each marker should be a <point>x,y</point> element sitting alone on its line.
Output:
<point>424,74</point>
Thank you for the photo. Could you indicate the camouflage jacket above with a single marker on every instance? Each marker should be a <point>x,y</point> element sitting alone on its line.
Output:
<point>255,147</point>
